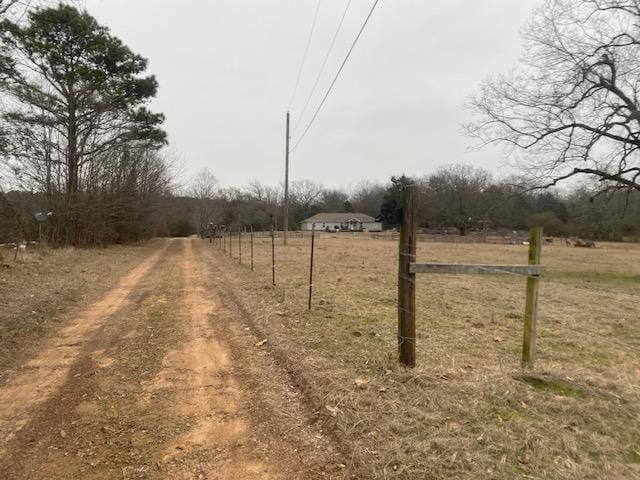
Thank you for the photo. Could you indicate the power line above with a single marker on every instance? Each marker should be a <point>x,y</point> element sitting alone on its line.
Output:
<point>324,63</point>
<point>373,7</point>
<point>306,51</point>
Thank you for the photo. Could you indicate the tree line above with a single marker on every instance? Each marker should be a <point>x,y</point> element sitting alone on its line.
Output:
<point>456,199</point>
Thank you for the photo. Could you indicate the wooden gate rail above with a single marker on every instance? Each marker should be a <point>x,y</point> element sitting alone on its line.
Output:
<point>408,269</point>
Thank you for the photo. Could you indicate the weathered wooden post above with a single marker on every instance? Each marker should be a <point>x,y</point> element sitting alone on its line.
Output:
<point>313,237</point>
<point>252,248</point>
<point>240,245</point>
<point>407,280</point>
<point>531,306</point>
<point>230,242</point>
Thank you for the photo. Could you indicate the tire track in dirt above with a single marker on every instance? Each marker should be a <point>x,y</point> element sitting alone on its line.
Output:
<point>206,393</point>
<point>92,428</point>
<point>37,380</point>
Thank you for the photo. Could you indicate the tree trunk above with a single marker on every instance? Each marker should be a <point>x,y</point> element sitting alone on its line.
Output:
<point>72,175</point>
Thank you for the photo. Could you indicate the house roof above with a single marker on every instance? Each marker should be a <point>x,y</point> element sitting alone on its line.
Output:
<point>339,218</point>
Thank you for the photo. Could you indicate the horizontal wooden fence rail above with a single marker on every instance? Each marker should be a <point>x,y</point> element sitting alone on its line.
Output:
<point>476,269</point>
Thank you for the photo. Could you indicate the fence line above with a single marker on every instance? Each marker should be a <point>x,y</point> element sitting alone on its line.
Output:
<point>395,236</point>
<point>407,270</point>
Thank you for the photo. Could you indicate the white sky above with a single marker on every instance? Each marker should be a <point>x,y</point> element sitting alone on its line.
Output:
<point>227,69</point>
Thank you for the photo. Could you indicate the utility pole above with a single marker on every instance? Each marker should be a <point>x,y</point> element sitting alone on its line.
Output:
<point>286,185</point>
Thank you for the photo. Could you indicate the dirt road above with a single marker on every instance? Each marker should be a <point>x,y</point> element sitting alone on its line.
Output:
<point>156,380</point>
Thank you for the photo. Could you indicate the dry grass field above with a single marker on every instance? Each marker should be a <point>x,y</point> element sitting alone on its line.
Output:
<point>467,410</point>
<point>38,290</point>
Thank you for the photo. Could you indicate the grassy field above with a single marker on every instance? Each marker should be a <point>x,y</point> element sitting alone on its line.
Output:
<point>467,410</point>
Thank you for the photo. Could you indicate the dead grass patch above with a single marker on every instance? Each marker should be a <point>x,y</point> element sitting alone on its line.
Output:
<point>37,291</point>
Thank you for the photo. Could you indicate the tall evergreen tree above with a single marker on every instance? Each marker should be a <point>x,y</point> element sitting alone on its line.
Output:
<point>66,73</point>
<point>391,210</point>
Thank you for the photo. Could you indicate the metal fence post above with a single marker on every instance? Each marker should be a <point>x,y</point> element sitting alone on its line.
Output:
<point>273,257</point>
<point>252,248</point>
<point>313,237</point>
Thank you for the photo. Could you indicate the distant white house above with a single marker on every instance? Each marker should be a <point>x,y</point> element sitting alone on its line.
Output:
<point>341,222</point>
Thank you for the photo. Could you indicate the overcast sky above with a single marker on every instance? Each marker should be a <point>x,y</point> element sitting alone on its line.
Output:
<point>227,70</point>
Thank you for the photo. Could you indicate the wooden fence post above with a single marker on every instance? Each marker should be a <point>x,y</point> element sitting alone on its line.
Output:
<point>313,237</point>
<point>531,306</point>
<point>240,245</point>
<point>252,248</point>
<point>407,280</point>
<point>273,257</point>
<point>230,243</point>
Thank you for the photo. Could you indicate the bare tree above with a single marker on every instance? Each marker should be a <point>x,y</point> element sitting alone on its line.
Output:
<point>203,189</point>
<point>367,197</point>
<point>267,197</point>
<point>9,8</point>
<point>18,10</point>
<point>257,189</point>
<point>305,197</point>
<point>572,104</point>
<point>306,193</point>
<point>334,200</point>
<point>455,196</point>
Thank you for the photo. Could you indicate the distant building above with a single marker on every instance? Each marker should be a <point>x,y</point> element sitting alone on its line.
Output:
<point>341,222</point>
